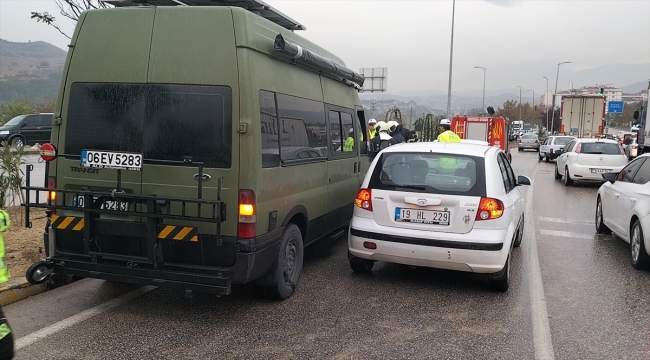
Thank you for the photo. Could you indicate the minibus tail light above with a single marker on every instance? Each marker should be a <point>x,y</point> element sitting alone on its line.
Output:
<point>51,195</point>
<point>247,215</point>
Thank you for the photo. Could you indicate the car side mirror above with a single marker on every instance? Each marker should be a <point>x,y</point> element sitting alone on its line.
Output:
<point>523,180</point>
<point>22,125</point>
<point>611,177</point>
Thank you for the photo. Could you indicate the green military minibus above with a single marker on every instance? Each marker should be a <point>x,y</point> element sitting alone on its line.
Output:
<point>196,147</point>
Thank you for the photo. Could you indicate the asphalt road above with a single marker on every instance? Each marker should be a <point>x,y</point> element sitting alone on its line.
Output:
<point>574,295</point>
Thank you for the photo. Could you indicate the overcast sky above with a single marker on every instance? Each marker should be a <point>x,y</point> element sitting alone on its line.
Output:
<point>517,41</point>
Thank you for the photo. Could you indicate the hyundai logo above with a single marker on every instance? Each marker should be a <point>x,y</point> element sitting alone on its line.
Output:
<point>422,201</point>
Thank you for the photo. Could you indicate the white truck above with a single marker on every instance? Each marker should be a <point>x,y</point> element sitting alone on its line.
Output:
<point>582,116</point>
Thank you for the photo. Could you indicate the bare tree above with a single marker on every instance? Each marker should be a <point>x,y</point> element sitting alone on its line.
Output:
<point>71,9</point>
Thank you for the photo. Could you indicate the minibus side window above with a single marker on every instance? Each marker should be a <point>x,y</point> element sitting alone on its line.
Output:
<point>269,130</point>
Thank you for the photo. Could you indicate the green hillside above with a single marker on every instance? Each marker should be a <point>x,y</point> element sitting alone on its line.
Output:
<point>30,71</point>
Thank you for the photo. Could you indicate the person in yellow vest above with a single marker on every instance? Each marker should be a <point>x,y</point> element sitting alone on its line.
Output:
<point>447,165</point>
<point>371,128</point>
<point>6,336</point>
<point>348,146</point>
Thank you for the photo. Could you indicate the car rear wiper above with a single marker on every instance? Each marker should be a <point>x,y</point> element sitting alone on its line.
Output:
<point>416,187</point>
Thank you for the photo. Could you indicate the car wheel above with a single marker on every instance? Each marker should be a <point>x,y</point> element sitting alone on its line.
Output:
<point>17,142</point>
<point>359,265</point>
<point>547,158</point>
<point>500,281</point>
<point>519,149</point>
<point>601,228</point>
<point>288,264</point>
<point>640,258</point>
<point>520,233</point>
<point>567,179</point>
<point>557,173</point>
<point>540,157</point>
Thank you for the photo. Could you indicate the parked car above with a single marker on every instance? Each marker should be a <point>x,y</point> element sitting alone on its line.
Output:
<point>631,149</point>
<point>552,147</point>
<point>528,141</point>
<point>413,209</point>
<point>623,207</point>
<point>27,129</point>
<point>588,159</point>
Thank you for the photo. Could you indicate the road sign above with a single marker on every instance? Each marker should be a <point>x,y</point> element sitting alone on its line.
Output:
<point>615,107</point>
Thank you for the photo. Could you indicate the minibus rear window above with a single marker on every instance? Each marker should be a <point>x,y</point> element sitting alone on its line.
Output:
<point>163,122</point>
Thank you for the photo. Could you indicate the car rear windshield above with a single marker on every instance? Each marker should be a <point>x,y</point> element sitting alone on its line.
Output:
<point>163,122</point>
<point>432,173</point>
<point>562,140</point>
<point>600,148</point>
<point>529,136</point>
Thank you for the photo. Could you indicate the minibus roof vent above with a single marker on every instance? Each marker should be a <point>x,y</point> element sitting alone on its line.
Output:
<point>256,6</point>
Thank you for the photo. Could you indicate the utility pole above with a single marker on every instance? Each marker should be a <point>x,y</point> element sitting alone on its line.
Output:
<point>533,100</point>
<point>555,92</point>
<point>546,102</point>
<point>484,71</point>
<point>519,102</point>
<point>451,57</point>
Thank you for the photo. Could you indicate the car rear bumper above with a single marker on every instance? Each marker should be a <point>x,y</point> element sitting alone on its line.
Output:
<point>479,251</point>
<point>528,146</point>
<point>583,172</point>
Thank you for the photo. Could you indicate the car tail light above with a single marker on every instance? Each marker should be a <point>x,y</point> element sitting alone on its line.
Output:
<point>536,142</point>
<point>551,150</point>
<point>489,209</point>
<point>634,146</point>
<point>363,200</point>
<point>247,215</point>
<point>51,195</point>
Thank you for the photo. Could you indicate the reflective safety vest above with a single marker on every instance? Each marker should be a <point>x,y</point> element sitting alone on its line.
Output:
<point>349,144</point>
<point>4,226</point>
<point>448,136</point>
<point>372,134</point>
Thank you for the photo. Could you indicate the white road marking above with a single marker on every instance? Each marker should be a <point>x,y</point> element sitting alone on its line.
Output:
<point>566,234</point>
<point>541,328</point>
<point>82,316</point>
<point>565,221</point>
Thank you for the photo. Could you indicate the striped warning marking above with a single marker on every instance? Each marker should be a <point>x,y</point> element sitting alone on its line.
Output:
<point>166,232</point>
<point>180,233</point>
<point>67,223</point>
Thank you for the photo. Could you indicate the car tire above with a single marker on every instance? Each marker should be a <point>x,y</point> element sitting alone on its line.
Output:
<point>520,233</point>
<point>540,157</point>
<point>567,178</point>
<point>638,254</point>
<point>601,228</point>
<point>500,281</point>
<point>17,142</point>
<point>547,158</point>
<point>519,149</point>
<point>288,264</point>
<point>359,265</point>
<point>557,173</point>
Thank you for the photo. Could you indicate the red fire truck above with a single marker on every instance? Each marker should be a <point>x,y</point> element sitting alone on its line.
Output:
<point>493,130</point>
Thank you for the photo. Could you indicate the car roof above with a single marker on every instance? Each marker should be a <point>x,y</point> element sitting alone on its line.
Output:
<point>592,140</point>
<point>465,148</point>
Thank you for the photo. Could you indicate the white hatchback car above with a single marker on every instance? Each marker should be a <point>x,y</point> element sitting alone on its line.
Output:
<point>455,206</point>
<point>623,206</point>
<point>588,159</point>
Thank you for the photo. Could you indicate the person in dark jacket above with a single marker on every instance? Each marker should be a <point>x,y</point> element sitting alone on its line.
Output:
<point>406,133</point>
<point>392,126</point>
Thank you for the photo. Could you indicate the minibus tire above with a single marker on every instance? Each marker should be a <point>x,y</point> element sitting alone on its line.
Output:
<point>284,285</point>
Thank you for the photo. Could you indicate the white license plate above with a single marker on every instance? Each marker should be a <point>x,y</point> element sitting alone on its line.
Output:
<point>600,171</point>
<point>106,204</point>
<point>111,160</point>
<point>422,216</point>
